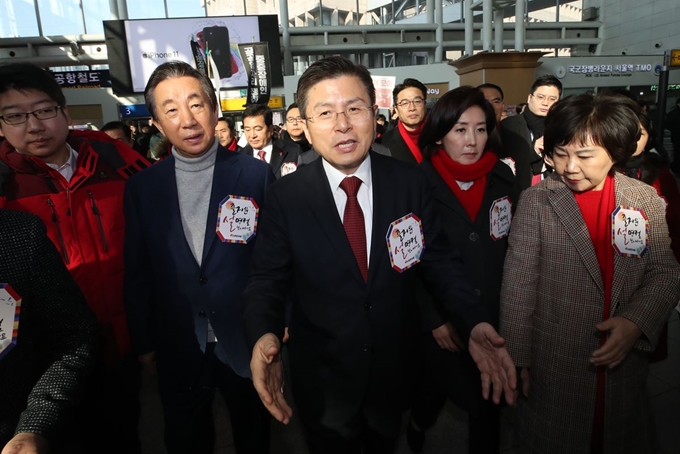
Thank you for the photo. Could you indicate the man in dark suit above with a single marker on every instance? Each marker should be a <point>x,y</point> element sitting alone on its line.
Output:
<point>522,135</point>
<point>353,319</point>
<point>282,155</point>
<point>44,373</point>
<point>192,222</point>
<point>410,101</point>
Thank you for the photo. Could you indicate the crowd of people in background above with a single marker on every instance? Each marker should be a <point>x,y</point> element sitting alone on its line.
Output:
<point>455,253</point>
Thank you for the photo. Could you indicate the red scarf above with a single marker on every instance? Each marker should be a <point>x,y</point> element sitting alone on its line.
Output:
<point>233,145</point>
<point>596,208</point>
<point>452,171</point>
<point>411,138</point>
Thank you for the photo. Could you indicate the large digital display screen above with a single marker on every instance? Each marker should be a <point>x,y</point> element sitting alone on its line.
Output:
<point>137,47</point>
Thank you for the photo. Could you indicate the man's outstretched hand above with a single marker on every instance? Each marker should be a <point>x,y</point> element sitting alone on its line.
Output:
<point>267,370</point>
<point>488,350</point>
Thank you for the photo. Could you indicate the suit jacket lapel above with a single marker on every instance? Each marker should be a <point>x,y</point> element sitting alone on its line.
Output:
<point>383,214</point>
<point>621,264</point>
<point>278,155</point>
<point>225,179</point>
<point>567,210</point>
<point>323,208</point>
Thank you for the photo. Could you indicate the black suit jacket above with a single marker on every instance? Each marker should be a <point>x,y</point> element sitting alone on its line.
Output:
<point>169,298</point>
<point>517,144</point>
<point>44,375</point>
<point>393,140</point>
<point>349,339</point>
<point>282,151</point>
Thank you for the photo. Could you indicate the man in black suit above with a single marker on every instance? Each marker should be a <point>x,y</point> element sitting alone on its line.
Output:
<point>410,101</point>
<point>191,226</point>
<point>522,135</point>
<point>43,375</point>
<point>343,234</point>
<point>282,155</point>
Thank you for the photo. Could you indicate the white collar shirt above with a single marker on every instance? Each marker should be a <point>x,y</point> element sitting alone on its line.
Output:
<point>68,168</point>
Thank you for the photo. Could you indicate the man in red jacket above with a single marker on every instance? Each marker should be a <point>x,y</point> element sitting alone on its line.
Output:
<point>74,182</point>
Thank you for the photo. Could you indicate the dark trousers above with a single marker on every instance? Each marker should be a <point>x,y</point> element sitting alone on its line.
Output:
<point>109,415</point>
<point>367,433</point>
<point>188,416</point>
<point>455,376</point>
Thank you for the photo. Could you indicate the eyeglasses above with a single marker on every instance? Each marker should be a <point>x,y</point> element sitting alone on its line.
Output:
<point>541,98</point>
<point>354,114</point>
<point>293,119</point>
<point>22,117</point>
<point>417,102</point>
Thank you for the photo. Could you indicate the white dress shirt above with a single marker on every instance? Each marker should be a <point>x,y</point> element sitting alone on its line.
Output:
<point>68,168</point>
<point>267,152</point>
<point>364,196</point>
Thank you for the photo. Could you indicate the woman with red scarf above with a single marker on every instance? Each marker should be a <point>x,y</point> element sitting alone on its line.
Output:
<point>475,193</point>
<point>588,284</point>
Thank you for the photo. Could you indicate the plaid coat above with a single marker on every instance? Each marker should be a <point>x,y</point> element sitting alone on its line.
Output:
<point>551,300</point>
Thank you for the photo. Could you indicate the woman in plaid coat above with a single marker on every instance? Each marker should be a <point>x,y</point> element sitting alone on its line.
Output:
<point>586,293</point>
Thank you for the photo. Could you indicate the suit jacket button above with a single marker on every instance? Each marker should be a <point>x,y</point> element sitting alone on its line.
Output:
<point>201,314</point>
<point>203,280</point>
<point>367,347</point>
<point>367,306</point>
<point>473,236</point>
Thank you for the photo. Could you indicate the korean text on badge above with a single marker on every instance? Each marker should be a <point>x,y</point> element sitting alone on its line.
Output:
<point>630,231</point>
<point>10,310</point>
<point>405,242</point>
<point>500,218</point>
<point>237,219</point>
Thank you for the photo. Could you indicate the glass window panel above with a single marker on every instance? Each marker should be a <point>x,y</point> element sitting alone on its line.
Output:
<point>61,17</point>
<point>18,19</point>
<point>96,11</point>
<point>185,8</point>
<point>148,9</point>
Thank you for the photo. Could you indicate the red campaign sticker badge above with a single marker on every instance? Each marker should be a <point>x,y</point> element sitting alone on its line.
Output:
<point>405,242</point>
<point>237,219</point>
<point>630,231</point>
<point>10,310</point>
<point>500,218</point>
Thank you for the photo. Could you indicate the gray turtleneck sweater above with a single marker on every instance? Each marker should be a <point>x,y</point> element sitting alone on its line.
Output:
<point>194,184</point>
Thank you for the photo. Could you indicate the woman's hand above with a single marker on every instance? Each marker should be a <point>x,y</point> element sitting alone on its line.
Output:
<point>622,336</point>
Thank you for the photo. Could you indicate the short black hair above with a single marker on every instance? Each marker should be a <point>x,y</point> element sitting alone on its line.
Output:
<point>381,117</point>
<point>493,87</point>
<point>409,83</point>
<point>228,121</point>
<point>174,69</point>
<point>611,122</point>
<point>27,76</point>
<point>332,68</point>
<point>446,113</point>
<point>519,107</point>
<point>546,81</point>
<point>118,125</point>
<point>291,107</point>
<point>255,110</point>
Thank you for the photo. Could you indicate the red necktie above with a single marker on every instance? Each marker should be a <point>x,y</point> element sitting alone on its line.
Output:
<point>262,154</point>
<point>353,221</point>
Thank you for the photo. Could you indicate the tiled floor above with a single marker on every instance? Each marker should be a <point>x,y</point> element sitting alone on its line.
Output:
<point>450,433</point>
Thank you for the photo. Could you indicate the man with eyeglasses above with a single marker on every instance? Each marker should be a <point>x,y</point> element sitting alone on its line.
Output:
<point>258,127</point>
<point>409,98</point>
<point>345,235</point>
<point>522,135</point>
<point>295,131</point>
<point>74,181</point>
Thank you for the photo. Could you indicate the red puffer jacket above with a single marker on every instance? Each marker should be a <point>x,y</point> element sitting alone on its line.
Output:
<point>84,219</point>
